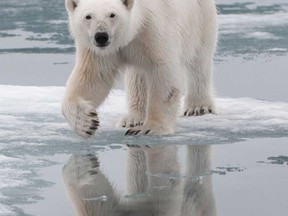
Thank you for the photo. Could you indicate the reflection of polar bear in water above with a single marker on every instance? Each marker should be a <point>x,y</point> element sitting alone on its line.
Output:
<point>153,184</point>
<point>157,42</point>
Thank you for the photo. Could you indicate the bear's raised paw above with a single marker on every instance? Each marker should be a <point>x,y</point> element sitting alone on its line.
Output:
<point>82,118</point>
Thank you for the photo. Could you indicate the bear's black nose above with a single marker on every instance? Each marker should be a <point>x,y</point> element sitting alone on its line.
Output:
<point>101,38</point>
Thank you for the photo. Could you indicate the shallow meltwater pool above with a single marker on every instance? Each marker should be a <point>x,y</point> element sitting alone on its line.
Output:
<point>245,178</point>
<point>233,163</point>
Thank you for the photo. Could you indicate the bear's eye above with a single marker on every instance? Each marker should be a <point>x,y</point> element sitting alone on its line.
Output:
<point>88,17</point>
<point>112,15</point>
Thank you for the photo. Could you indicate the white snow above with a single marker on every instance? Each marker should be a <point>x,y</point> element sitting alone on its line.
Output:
<point>32,115</point>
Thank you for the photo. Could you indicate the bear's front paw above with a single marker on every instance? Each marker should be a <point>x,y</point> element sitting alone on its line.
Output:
<point>131,120</point>
<point>149,129</point>
<point>82,117</point>
<point>199,110</point>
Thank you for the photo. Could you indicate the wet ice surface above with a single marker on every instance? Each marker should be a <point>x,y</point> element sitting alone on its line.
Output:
<point>34,138</point>
<point>33,114</point>
<point>248,139</point>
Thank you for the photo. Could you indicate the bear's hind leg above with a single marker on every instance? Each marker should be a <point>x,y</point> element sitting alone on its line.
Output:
<point>163,86</point>
<point>136,99</point>
<point>199,99</point>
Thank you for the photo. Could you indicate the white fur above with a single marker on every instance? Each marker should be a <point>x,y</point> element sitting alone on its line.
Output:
<point>159,43</point>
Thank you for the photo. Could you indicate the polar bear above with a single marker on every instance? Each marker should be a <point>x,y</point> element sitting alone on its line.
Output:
<point>161,45</point>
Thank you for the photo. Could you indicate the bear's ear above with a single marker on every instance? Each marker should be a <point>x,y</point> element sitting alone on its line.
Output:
<point>128,3</point>
<point>71,5</point>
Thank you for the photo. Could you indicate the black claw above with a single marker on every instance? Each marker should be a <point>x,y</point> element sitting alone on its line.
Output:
<point>92,114</point>
<point>136,146</point>
<point>89,133</point>
<point>92,172</point>
<point>196,113</point>
<point>191,113</point>
<point>90,155</point>
<point>132,132</point>
<point>124,125</point>
<point>95,164</point>
<point>202,111</point>
<point>131,125</point>
<point>133,146</point>
<point>130,145</point>
<point>93,159</point>
<point>185,113</point>
<point>93,128</point>
<point>147,132</point>
<point>137,132</point>
<point>128,132</point>
<point>147,146</point>
<point>95,123</point>
<point>210,110</point>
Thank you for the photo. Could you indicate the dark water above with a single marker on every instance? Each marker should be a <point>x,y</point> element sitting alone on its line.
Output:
<point>35,21</point>
<point>247,178</point>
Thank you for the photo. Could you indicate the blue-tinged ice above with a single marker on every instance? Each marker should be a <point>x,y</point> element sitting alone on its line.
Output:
<point>31,121</point>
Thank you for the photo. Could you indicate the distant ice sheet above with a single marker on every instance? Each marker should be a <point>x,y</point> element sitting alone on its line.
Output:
<point>247,23</point>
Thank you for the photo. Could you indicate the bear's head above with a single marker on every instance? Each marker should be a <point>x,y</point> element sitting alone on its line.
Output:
<point>101,25</point>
